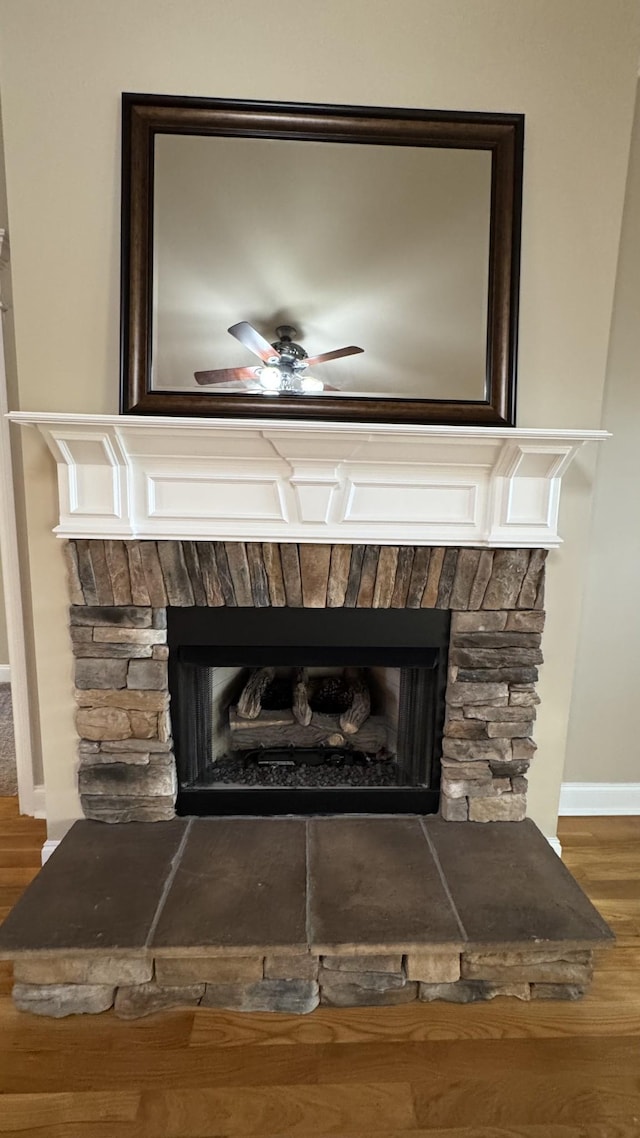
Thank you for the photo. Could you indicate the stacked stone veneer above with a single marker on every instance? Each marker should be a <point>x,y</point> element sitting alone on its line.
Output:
<point>90,983</point>
<point>120,591</point>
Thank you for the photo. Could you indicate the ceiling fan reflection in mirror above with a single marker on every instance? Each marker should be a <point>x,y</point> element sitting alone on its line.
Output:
<point>284,363</point>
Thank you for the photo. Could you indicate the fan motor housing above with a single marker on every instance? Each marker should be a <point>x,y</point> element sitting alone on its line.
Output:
<point>286,346</point>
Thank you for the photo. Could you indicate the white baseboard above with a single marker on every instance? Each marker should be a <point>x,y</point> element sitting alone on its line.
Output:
<point>49,847</point>
<point>591,798</point>
<point>38,802</point>
<point>5,674</point>
<point>555,844</point>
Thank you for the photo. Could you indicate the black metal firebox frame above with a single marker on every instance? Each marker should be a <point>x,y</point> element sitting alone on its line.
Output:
<point>256,637</point>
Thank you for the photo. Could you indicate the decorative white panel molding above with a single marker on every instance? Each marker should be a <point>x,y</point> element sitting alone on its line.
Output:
<point>371,499</point>
<point>94,464</point>
<point>130,476</point>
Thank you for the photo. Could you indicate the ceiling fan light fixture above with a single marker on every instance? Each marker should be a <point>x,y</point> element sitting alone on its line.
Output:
<point>270,378</point>
<point>309,384</point>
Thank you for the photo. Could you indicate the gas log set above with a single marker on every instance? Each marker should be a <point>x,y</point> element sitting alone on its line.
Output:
<point>294,717</point>
<point>306,712</point>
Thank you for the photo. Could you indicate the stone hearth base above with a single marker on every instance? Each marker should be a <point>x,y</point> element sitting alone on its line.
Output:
<point>283,914</point>
<point>230,983</point>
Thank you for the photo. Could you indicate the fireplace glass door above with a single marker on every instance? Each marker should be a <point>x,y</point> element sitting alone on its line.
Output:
<point>307,711</point>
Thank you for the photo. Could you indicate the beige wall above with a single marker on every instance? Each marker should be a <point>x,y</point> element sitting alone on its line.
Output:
<point>603,741</point>
<point>568,64</point>
<point>4,648</point>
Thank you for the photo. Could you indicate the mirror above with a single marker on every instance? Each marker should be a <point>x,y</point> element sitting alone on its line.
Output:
<point>392,231</point>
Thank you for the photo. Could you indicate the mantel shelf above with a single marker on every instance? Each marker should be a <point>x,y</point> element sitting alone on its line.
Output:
<point>129,476</point>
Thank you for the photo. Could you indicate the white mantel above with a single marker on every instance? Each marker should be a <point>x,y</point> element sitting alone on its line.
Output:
<point>126,476</point>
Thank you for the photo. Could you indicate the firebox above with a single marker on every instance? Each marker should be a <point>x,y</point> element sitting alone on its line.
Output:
<point>307,711</point>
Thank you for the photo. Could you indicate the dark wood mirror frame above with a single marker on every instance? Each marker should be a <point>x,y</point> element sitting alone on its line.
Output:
<point>144,116</point>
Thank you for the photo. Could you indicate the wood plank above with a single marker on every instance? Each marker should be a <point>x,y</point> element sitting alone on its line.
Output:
<point>138,1129</point>
<point>18,825</point>
<point>9,808</point>
<point>610,1060</point>
<point>610,827</point>
<point>22,842</point>
<point>104,1034</point>
<point>157,1069</point>
<point>500,1100</point>
<point>304,1110</point>
<point>29,856</point>
<point>6,980</point>
<point>29,1113</point>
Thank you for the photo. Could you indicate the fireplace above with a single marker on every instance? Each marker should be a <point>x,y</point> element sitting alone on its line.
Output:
<point>306,711</point>
<point>375,596</point>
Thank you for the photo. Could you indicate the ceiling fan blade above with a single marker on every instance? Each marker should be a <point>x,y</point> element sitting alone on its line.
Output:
<point>251,338</point>
<point>225,375</point>
<point>326,356</point>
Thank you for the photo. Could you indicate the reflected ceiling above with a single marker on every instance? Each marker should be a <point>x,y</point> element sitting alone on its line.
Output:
<point>382,246</point>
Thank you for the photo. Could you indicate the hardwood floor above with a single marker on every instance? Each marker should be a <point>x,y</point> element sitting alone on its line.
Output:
<point>503,1069</point>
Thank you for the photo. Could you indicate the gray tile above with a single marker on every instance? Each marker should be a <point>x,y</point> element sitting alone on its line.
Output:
<point>510,887</point>
<point>374,884</point>
<point>99,891</point>
<point>241,884</point>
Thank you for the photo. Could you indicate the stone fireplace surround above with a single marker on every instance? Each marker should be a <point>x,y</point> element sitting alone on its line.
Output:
<point>120,591</point>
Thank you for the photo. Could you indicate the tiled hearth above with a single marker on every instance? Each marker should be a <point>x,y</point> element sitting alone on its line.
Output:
<point>120,591</point>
